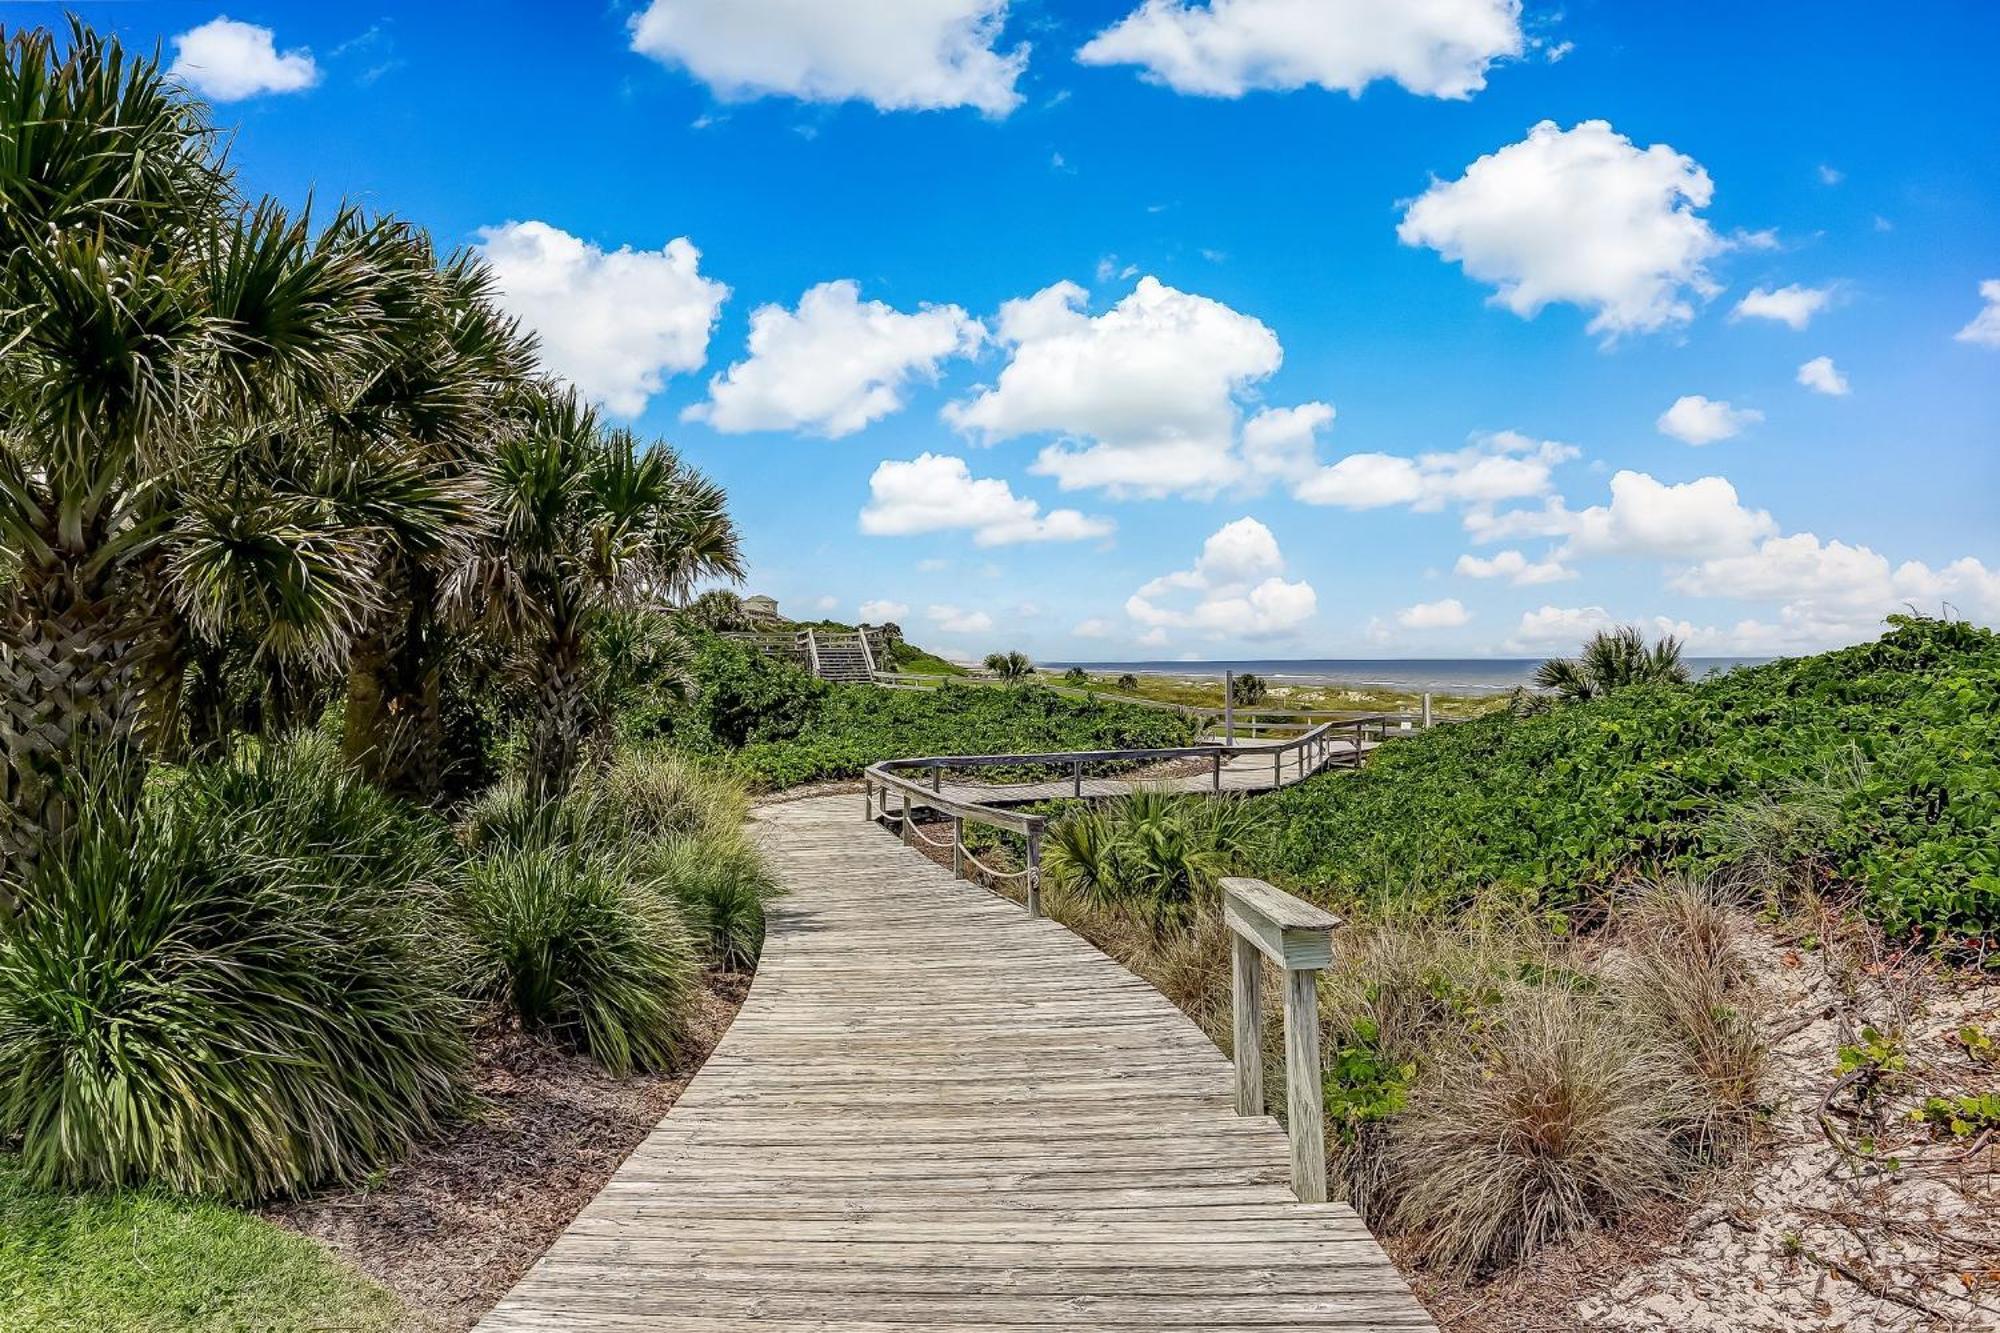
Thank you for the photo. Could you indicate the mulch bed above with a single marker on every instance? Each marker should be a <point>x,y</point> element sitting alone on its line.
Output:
<point>451,1229</point>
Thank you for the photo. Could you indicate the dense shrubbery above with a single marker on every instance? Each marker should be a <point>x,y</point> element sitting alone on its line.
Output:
<point>1890,747</point>
<point>247,985</point>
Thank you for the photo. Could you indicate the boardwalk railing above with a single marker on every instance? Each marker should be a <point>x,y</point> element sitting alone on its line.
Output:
<point>1265,922</point>
<point>918,784</point>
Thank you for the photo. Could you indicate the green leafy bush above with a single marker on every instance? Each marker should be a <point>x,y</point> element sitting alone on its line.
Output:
<point>581,951</point>
<point>1159,853</point>
<point>244,987</point>
<point>1659,778</point>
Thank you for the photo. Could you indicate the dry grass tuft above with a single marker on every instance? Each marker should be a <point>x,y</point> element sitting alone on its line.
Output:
<point>1550,1125</point>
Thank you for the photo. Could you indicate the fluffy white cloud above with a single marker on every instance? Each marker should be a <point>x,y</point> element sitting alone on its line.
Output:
<point>615,324</point>
<point>1698,519</point>
<point>899,55</point>
<point>1820,375</point>
<point>953,620</point>
<point>1515,567</point>
<point>1225,48</point>
<point>834,364</point>
<point>935,492</point>
<point>1284,441</point>
<point>1150,387</point>
<point>1702,517</point>
<point>1094,628</point>
<point>1699,420</point>
<point>1447,614</point>
<point>1581,216</point>
<point>1551,628</point>
<point>1794,305</point>
<point>883,611</point>
<point>1985,326</point>
<point>1834,584</point>
<point>1236,587</point>
<point>226,61</point>
<point>1506,465</point>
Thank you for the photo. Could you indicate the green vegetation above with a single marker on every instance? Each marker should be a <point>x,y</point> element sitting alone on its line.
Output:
<point>908,657</point>
<point>1612,660</point>
<point>1873,766</point>
<point>1011,667</point>
<point>85,1263</point>
<point>1163,855</point>
<point>855,725</point>
<point>245,986</point>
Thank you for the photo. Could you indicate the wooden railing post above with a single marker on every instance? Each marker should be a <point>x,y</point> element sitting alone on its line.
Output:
<point>1427,710</point>
<point>1218,770</point>
<point>1076,771</point>
<point>1246,988</point>
<point>1299,938</point>
<point>958,846</point>
<point>1035,871</point>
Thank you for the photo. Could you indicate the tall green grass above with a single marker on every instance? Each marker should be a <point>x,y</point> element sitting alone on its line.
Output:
<point>245,987</point>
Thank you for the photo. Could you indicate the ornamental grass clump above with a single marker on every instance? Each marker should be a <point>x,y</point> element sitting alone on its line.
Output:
<point>1553,1122</point>
<point>247,985</point>
<point>721,884</point>
<point>577,948</point>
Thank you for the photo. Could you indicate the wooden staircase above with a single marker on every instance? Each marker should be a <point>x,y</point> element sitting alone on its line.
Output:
<point>853,656</point>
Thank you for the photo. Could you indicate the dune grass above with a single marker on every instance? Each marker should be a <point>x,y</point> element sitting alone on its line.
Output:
<point>138,1260</point>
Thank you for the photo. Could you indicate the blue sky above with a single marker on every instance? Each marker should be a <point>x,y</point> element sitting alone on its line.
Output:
<point>1386,335</point>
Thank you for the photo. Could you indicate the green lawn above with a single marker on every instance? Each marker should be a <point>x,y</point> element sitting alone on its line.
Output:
<point>109,1263</point>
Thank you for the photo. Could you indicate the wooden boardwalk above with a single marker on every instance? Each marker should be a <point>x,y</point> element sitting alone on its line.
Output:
<point>936,1113</point>
<point>1246,770</point>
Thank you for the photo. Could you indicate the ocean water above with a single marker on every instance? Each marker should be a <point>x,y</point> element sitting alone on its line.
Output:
<point>1440,675</point>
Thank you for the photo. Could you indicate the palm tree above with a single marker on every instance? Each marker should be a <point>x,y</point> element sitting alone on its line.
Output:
<point>1611,660</point>
<point>445,392</point>
<point>1012,667</point>
<point>587,524</point>
<point>156,337</point>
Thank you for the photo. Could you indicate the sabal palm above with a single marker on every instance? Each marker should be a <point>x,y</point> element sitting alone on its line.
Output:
<point>149,325</point>
<point>442,397</point>
<point>586,524</point>
<point>1611,660</point>
<point>1010,666</point>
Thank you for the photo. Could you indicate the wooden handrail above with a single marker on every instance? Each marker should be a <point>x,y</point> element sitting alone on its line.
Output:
<point>1266,922</point>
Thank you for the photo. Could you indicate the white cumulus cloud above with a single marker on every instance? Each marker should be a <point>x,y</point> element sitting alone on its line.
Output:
<point>1447,614</point>
<point>1698,420</point>
<point>1697,519</point>
<point>1094,628</point>
<point>898,55</point>
<point>615,324</point>
<point>1580,216</point>
<point>1793,306</point>
<point>1821,376</point>
<point>935,493</point>
<point>834,364</point>
<point>1985,326</point>
<point>1225,48</point>
<point>954,620</point>
<point>1515,567</point>
<point>1505,465</point>
<point>1236,587</point>
<point>882,611</point>
<point>1145,394</point>
<point>226,61</point>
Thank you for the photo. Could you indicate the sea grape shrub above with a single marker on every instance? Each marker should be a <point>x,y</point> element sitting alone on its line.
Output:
<point>858,725</point>
<point>1563,804</point>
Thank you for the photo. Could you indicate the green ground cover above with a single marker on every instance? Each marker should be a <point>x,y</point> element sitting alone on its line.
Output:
<point>91,1262</point>
<point>1873,766</point>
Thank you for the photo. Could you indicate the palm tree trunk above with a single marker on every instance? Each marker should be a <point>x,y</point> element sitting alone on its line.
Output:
<point>394,731</point>
<point>69,693</point>
<point>555,745</point>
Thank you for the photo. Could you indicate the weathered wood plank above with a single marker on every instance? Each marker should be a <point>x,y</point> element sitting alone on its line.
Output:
<point>935,1113</point>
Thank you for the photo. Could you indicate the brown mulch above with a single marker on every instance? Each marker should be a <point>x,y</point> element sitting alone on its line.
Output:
<point>451,1229</point>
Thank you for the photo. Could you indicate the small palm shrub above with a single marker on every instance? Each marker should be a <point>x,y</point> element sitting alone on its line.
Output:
<point>1012,667</point>
<point>1612,660</point>
<point>1153,852</point>
<point>579,950</point>
<point>246,986</point>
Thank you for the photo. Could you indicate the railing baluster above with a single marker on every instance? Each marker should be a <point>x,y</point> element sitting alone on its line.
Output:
<point>1035,871</point>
